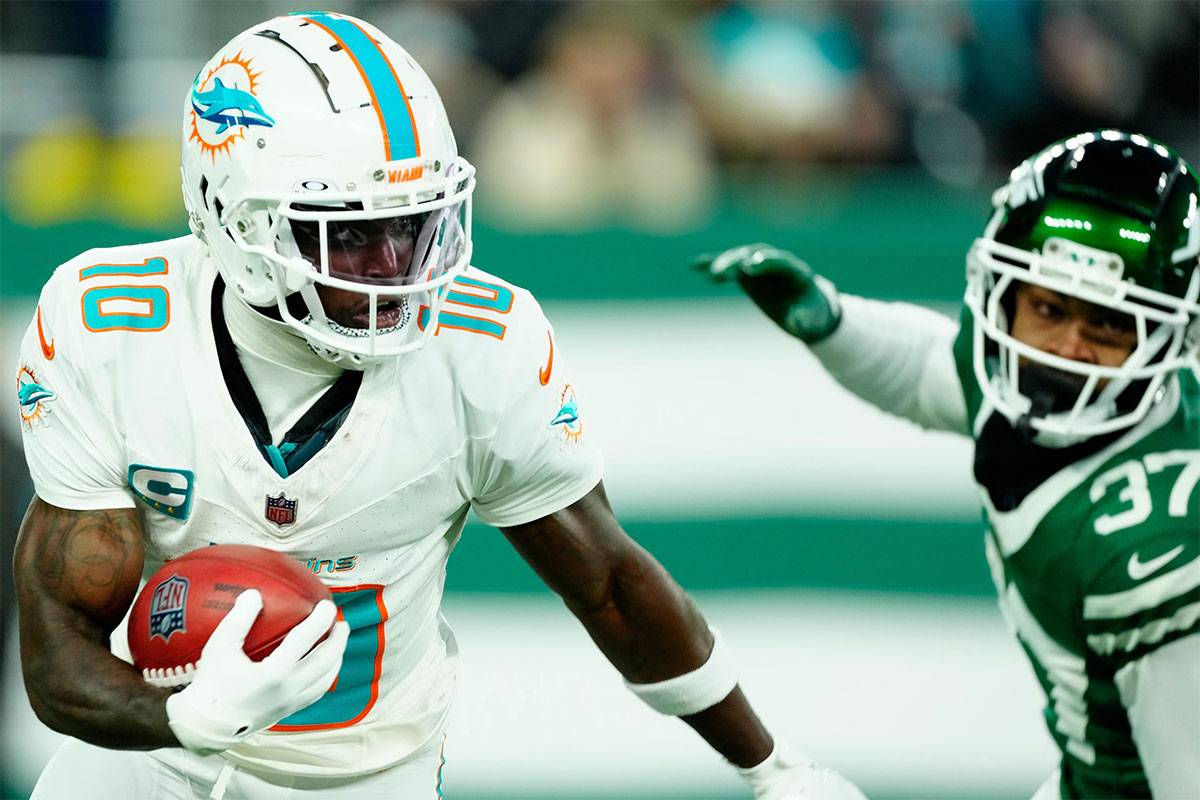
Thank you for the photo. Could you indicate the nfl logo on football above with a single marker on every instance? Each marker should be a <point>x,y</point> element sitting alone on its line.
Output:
<point>167,606</point>
<point>281,510</point>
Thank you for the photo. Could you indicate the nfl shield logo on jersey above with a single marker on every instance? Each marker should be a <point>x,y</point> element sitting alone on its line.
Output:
<point>167,606</point>
<point>281,510</point>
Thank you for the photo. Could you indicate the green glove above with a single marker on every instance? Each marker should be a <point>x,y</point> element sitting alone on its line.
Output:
<point>787,290</point>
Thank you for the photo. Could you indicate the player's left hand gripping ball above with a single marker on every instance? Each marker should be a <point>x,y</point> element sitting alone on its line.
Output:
<point>277,650</point>
<point>788,774</point>
<point>231,698</point>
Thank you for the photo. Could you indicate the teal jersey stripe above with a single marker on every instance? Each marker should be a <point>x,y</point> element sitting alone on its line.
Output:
<point>395,117</point>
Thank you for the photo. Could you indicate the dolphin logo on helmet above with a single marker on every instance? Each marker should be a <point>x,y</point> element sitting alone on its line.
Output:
<point>229,106</point>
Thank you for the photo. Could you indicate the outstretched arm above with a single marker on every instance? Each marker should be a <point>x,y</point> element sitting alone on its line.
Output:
<point>651,631</point>
<point>896,356</point>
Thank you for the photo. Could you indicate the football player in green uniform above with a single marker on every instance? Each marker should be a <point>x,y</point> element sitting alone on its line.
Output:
<point>1074,368</point>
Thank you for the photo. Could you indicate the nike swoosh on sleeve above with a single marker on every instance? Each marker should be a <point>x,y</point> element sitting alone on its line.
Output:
<point>1140,569</point>
<point>47,349</point>
<point>544,372</point>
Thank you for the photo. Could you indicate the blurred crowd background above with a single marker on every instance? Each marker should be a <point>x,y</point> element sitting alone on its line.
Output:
<point>613,140</point>
<point>587,114</point>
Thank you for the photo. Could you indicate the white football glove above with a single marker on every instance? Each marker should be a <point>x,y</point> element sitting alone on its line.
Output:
<point>231,698</point>
<point>788,774</point>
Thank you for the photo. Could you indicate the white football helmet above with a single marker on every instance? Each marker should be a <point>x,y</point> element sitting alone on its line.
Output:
<point>318,164</point>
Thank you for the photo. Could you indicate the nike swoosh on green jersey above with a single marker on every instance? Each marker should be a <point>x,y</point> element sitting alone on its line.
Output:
<point>1141,569</point>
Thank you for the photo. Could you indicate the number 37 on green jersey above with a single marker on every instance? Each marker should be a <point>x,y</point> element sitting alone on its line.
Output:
<point>1132,482</point>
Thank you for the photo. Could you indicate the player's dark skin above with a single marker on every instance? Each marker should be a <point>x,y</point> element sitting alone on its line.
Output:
<point>77,573</point>
<point>373,252</point>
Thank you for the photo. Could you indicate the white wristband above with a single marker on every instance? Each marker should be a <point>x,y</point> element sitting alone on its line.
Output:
<point>692,692</point>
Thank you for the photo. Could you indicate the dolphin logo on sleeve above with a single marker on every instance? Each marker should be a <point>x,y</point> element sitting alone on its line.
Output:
<point>33,398</point>
<point>567,417</point>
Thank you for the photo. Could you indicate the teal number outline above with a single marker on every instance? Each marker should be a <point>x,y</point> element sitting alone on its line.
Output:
<point>356,688</point>
<point>97,321</point>
<point>500,304</point>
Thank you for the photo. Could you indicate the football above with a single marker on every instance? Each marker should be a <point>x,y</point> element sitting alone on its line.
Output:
<point>177,610</point>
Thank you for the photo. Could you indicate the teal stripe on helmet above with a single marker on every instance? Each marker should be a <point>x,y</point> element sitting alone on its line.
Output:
<point>399,129</point>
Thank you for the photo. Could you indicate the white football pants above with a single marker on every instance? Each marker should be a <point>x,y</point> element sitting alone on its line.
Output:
<point>80,770</point>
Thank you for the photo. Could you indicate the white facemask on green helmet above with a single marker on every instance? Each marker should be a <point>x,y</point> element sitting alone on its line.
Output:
<point>1109,218</point>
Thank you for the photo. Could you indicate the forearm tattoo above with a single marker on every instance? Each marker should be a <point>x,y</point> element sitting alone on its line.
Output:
<point>76,574</point>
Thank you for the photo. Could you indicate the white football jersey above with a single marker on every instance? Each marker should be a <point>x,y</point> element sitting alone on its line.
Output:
<point>124,404</point>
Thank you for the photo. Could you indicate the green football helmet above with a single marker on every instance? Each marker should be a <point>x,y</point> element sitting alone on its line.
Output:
<point>1111,218</point>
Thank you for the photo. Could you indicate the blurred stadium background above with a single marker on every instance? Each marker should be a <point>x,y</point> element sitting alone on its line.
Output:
<point>838,550</point>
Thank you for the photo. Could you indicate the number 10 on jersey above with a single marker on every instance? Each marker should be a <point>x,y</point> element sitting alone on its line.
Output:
<point>125,307</point>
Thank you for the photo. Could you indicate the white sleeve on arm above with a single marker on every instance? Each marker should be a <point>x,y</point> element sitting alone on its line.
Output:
<point>1161,694</point>
<point>72,447</point>
<point>542,455</point>
<point>898,357</point>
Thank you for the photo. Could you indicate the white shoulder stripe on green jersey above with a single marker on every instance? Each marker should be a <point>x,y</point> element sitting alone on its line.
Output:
<point>1063,668</point>
<point>1144,596</point>
<point>1014,528</point>
<point>1150,633</point>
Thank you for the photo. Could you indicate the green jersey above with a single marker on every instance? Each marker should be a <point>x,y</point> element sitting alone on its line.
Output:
<point>1095,566</point>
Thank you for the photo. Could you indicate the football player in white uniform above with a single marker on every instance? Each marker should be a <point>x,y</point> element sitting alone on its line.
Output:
<point>1074,370</point>
<point>318,369</point>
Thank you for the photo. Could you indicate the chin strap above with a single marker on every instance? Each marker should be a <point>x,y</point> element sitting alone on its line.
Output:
<point>1051,391</point>
<point>1045,392</point>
